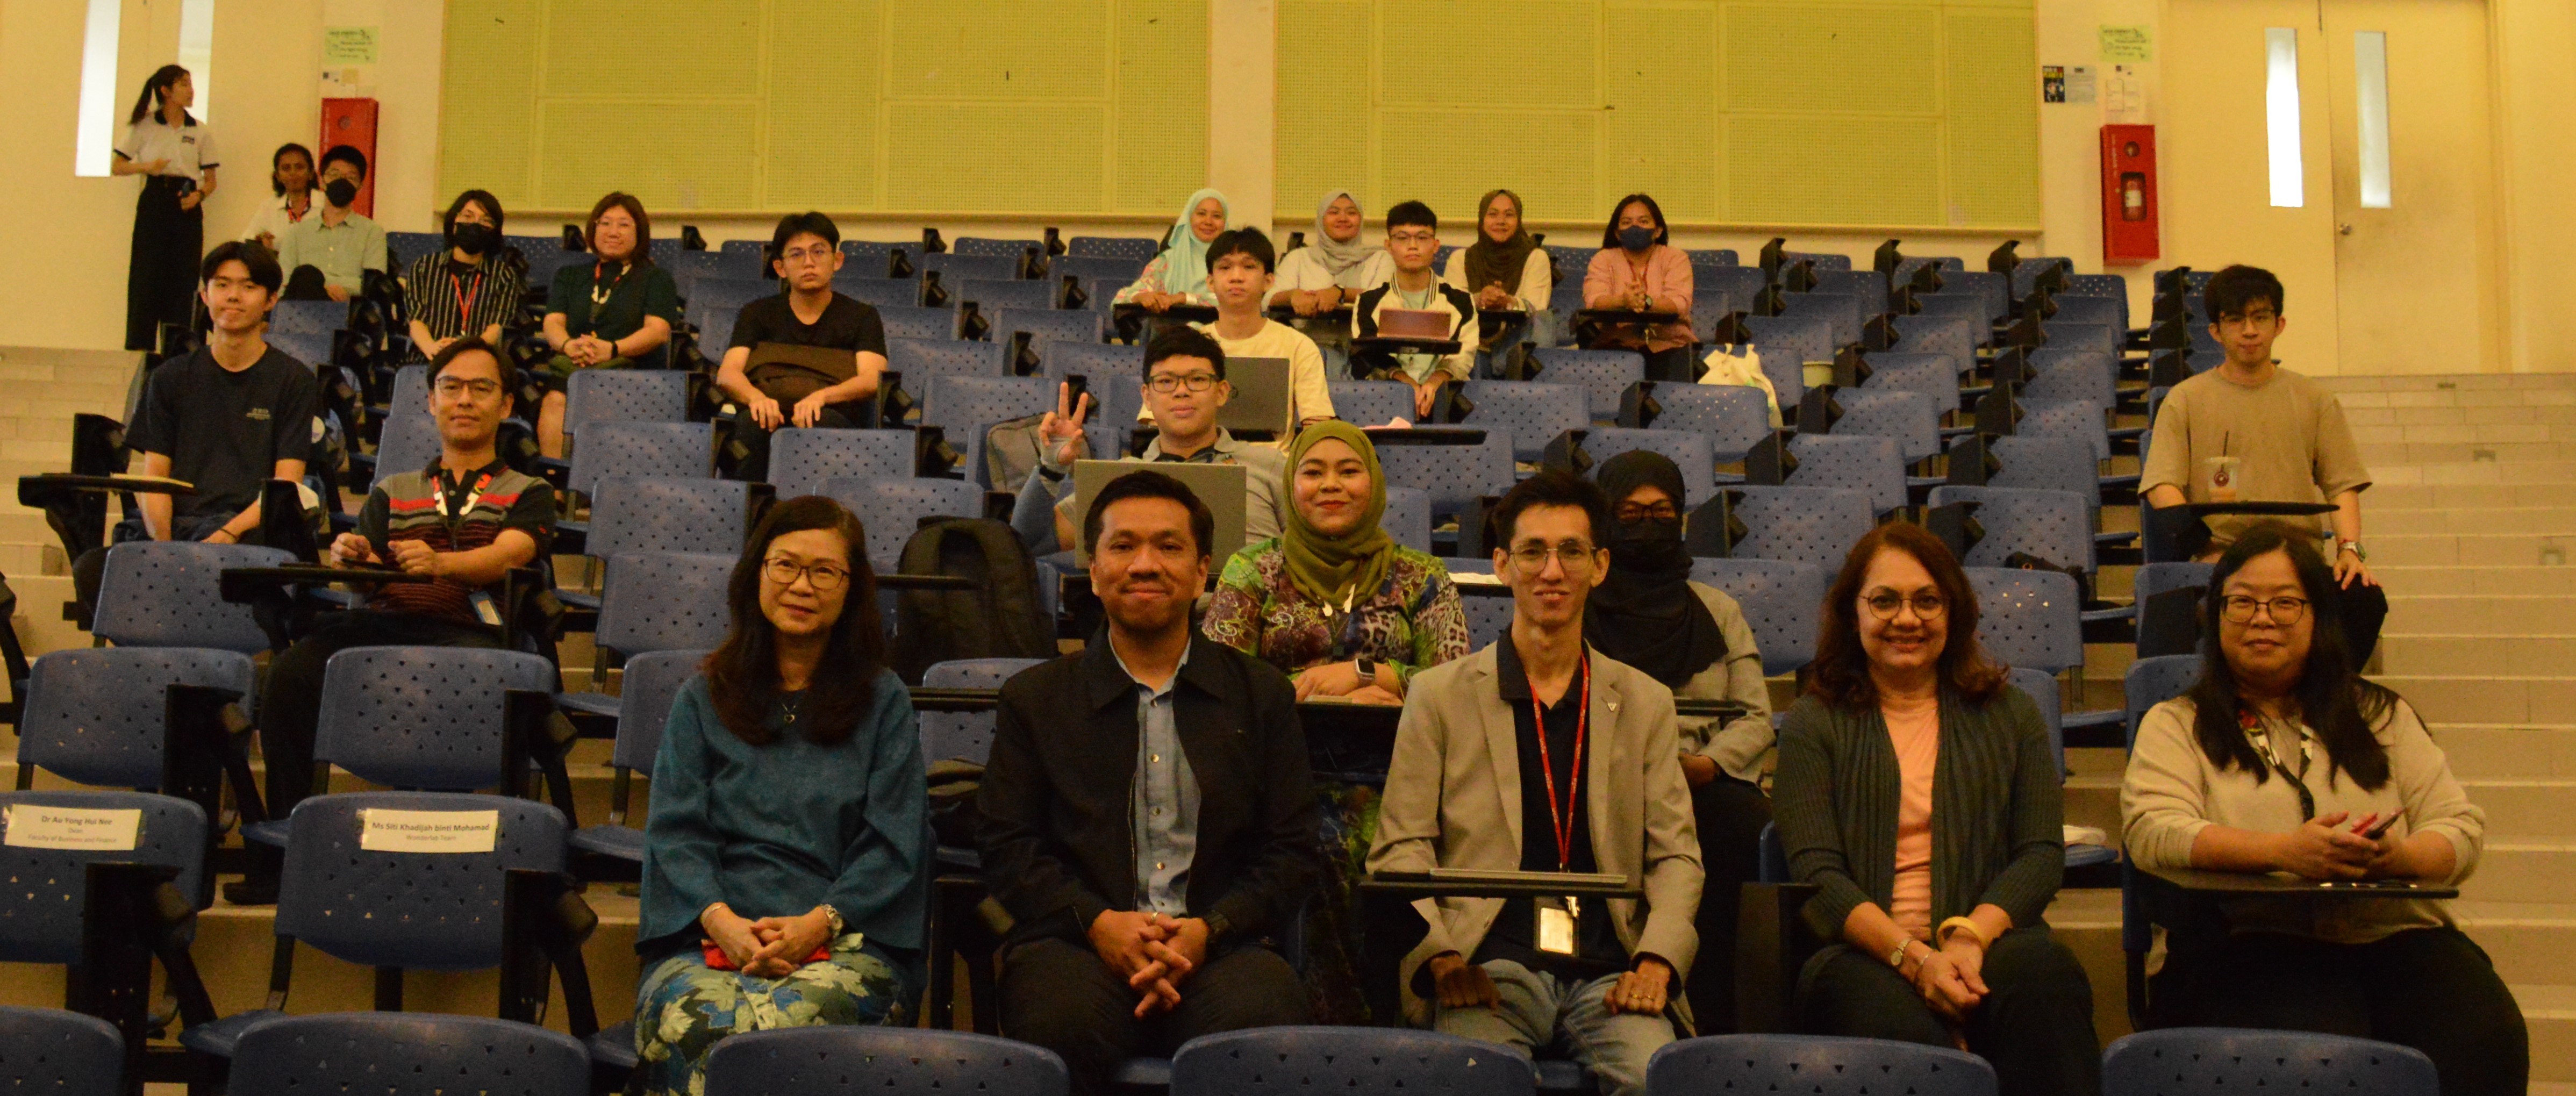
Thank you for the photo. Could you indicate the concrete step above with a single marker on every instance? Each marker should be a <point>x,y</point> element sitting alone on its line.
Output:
<point>2550,1012</point>
<point>2523,870</point>
<point>39,620</point>
<point>2507,452</point>
<point>2501,619</point>
<point>2455,414</point>
<point>2560,520</point>
<point>2535,808</point>
<point>2534,655</point>
<point>2474,427</point>
<point>2421,580</point>
<point>2530,942</point>
<point>2513,701</point>
<point>2508,751</point>
<point>2450,472</point>
<point>2388,546</point>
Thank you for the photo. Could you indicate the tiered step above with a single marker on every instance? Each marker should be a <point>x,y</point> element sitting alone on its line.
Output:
<point>40,391</point>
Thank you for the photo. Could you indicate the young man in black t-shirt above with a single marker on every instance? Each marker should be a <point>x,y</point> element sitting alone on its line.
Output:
<point>768,394</point>
<point>226,419</point>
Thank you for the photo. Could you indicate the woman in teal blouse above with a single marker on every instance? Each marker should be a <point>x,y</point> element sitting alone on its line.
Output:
<point>615,311</point>
<point>784,861</point>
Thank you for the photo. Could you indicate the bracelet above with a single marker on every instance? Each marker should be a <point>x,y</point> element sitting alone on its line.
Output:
<point>1957,924</point>
<point>1896,958</point>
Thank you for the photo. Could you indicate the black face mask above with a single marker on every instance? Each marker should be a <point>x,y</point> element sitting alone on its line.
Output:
<point>473,239</point>
<point>1649,545</point>
<point>340,192</point>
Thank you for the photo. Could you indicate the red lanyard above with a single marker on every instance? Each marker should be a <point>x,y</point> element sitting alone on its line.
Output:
<point>1563,820</point>
<point>464,300</point>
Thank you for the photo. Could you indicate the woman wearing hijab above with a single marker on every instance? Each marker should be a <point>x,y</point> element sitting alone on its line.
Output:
<point>1692,637</point>
<point>1334,265</point>
<point>1504,268</point>
<point>1178,274</point>
<point>1332,601</point>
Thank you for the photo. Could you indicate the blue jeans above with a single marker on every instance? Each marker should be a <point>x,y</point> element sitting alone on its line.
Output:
<point>1540,1010</point>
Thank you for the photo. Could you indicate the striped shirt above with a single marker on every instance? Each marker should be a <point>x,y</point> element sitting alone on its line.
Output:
<point>454,299</point>
<point>451,515</point>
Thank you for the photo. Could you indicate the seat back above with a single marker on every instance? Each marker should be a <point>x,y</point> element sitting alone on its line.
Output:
<point>844,1058</point>
<point>463,1053</point>
<point>921,321</point>
<point>968,406</point>
<point>987,245</point>
<point>40,909</point>
<point>1050,325</point>
<point>303,329</point>
<point>1937,335</point>
<point>1455,476</point>
<point>2090,310</point>
<point>1371,403</point>
<point>876,291</point>
<point>1826,262</point>
<point>1958,306</point>
<point>625,395</point>
<point>1733,418</point>
<point>966,736</point>
<point>430,911</point>
<point>801,459</point>
<point>158,593</point>
<point>1408,517</point>
<point>423,717</point>
<point>2152,681</point>
<point>890,511</point>
<point>1346,1059</point>
<point>1738,285</point>
<point>2041,687</point>
<point>715,303</point>
<point>410,393</point>
<point>1933,375</point>
<point>1814,1065</point>
<point>665,601</point>
<point>1911,419</point>
<point>670,450</point>
<point>2109,287</point>
<point>1688,451</point>
<point>1851,462</point>
<point>875,257</point>
<point>2157,578</point>
<point>1602,375</point>
<point>646,689</point>
<point>1532,412</point>
<point>2209,1061</point>
<point>2047,464</point>
<point>1136,249</point>
<point>2061,373</point>
<point>1770,858</point>
<point>1787,344</point>
<point>922,360</point>
<point>1840,312</point>
<point>1992,288</point>
<point>2029,619</point>
<point>1811,525</point>
<point>994,295</point>
<point>2053,525</point>
<point>2078,419</point>
<point>2025,274</point>
<point>654,514</point>
<point>1782,602</point>
<point>408,442</point>
<point>1097,362</point>
<point>1089,267</point>
<point>1704,258</point>
<point>953,268</point>
<point>58,1050</point>
<point>96,715</point>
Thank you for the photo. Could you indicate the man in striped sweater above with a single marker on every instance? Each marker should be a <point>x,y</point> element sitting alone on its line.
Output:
<point>464,521</point>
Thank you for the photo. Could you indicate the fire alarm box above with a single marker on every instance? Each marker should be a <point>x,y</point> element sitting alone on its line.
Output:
<point>2129,219</point>
<point>352,122</point>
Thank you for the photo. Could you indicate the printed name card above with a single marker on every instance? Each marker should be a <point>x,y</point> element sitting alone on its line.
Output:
<point>32,826</point>
<point>381,830</point>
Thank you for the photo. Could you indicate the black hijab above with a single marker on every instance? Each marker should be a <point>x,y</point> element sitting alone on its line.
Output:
<point>1644,613</point>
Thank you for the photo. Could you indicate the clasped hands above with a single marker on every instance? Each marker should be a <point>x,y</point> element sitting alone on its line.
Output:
<point>1461,984</point>
<point>1155,952</point>
<point>1950,978</point>
<point>2325,849</point>
<point>771,947</point>
<point>413,556</point>
<point>589,349</point>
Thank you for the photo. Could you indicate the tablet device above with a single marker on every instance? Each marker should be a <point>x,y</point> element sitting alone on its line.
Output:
<point>1221,487</point>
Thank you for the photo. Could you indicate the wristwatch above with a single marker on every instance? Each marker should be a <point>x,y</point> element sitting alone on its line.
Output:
<point>832,917</point>
<point>2354,547</point>
<point>1367,668</point>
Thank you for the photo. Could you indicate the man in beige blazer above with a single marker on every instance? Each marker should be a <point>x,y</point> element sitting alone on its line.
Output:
<point>1483,779</point>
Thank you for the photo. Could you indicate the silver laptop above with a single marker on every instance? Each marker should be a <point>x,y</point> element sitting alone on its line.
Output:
<point>1221,487</point>
<point>1262,399</point>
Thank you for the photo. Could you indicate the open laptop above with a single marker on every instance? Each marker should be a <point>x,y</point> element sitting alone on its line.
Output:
<point>1222,487</point>
<point>1262,401</point>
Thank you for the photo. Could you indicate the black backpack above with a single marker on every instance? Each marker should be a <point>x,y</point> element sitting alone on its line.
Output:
<point>1000,618</point>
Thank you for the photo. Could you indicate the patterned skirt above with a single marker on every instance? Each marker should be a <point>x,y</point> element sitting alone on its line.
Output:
<point>684,1006</point>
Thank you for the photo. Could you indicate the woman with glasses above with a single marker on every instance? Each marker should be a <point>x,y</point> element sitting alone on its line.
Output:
<point>1692,637</point>
<point>1919,794</point>
<point>783,861</point>
<point>2281,758</point>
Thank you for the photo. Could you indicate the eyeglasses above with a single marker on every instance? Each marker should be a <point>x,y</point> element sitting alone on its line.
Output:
<point>1574,555</point>
<point>451,388</point>
<point>2240,609</point>
<point>1884,604</point>
<point>1167,384</point>
<point>1661,511</point>
<point>826,577</point>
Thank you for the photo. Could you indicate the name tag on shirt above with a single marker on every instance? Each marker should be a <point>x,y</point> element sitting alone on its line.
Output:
<point>36,827</point>
<point>381,830</point>
<point>1558,922</point>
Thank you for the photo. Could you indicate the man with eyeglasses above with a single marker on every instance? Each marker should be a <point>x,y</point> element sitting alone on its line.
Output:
<point>1586,752</point>
<point>463,520</point>
<point>1412,241</point>
<point>768,373</point>
<point>1184,389</point>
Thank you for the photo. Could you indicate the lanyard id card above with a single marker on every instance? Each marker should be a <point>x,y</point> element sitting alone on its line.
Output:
<point>1560,922</point>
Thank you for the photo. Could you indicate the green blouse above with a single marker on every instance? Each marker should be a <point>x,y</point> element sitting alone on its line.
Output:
<point>633,294</point>
<point>1413,622</point>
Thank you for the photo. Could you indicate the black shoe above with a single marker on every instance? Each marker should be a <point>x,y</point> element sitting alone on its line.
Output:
<point>251,892</point>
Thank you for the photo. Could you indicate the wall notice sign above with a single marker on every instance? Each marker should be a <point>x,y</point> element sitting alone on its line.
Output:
<point>381,830</point>
<point>2079,84</point>
<point>2052,83</point>
<point>32,826</point>
<point>2127,45</point>
<point>348,46</point>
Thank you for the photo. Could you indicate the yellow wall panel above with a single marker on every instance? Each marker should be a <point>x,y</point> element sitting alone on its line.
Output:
<point>1994,137</point>
<point>486,134</point>
<point>1324,130</point>
<point>1001,49</point>
<point>652,47</point>
<point>700,155</point>
<point>1557,185</point>
<point>1659,130</point>
<point>975,156</point>
<point>1160,147</point>
<point>1443,51</point>
<point>1832,58</point>
<point>1821,169</point>
<point>821,147</point>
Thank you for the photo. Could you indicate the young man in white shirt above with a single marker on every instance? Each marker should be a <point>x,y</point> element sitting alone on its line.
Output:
<point>1240,263</point>
<point>1412,239</point>
<point>329,255</point>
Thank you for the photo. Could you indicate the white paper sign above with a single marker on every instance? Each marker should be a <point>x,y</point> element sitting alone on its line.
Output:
<point>38,827</point>
<point>381,830</point>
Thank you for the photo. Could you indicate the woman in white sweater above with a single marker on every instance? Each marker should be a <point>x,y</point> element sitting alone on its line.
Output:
<point>2282,759</point>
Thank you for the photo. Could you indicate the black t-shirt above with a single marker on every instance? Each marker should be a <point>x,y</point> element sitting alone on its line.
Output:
<point>224,431</point>
<point>1513,936</point>
<point>846,323</point>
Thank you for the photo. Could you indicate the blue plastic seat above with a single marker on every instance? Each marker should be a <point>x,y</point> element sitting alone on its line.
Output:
<point>921,360</point>
<point>659,514</point>
<point>642,706</point>
<point>1826,262</point>
<point>2109,287</point>
<point>715,303</point>
<point>953,268</point>
<point>1089,267</point>
<point>1569,261</point>
<point>158,593</point>
<point>97,715</point>
<point>1733,418</point>
<point>801,459</point>
<point>993,295</point>
<point>1814,1065</point>
<point>1910,419</point>
<point>658,600</point>
<point>1739,285</point>
<point>1056,325</point>
<point>304,329</point>
<point>408,443</point>
<point>1956,338</point>
<point>1346,1059</point>
<point>1137,249</point>
<point>1097,362</point>
<point>1602,374</point>
<point>1689,451</point>
<point>2025,274</point>
<point>1408,517</point>
<point>1992,288</point>
<point>423,717</point>
<point>57,1050</point>
<point>2052,525</point>
<point>890,510</point>
<point>921,322</point>
<point>1787,344</point>
<point>1854,462</point>
<point>1811,525</point>
<point>2080,419</point>
<point>875,258</point>
<point>1710,304</point>
<point>890,1060</point>
<point>2045,463</point>
<point>403,247</point>
<point>987,245</point>
<point>1455,476</point>
<point>964,736</point>
<point>1933,375</point>
<point>967,406</point>
<point>2061,373</point>
<point>1120,397</point>
<point>393,1051</point>
<point>1702,258</point>
<point>1532,412</point>
<point>2156,578</point>
<point>666,450</point>
<point>2028,618</point>
<point>2088,309</point>
<point>877,292</point>
<point>1840,313</point>
<point>1371,403</point>
<point>1968,307</point>
<point>2211,1061</point>
<point>1782,602</point>
<point>41,908</point>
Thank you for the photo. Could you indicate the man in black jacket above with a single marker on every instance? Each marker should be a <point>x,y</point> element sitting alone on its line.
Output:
<point>1147,816</point>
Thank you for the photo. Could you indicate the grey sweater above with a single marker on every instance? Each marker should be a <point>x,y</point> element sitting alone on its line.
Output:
<point>1997,810</point>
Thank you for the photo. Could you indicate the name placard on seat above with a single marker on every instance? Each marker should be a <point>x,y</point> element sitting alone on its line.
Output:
<point>384,830</point>
<point>31,826</point>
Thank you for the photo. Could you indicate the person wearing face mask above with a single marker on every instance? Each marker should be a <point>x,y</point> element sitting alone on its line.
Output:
<point>613,312</point>
<point>175,154</point>
<point>1178,273</point>
<point>1638,270</point>
<point>1691,637</point>
<point>1931,886</point>
<point>470,290</point>
<point>1333,602</point>
<point>290,174</point>
<point>1504,268</point>
<point>328,256</point>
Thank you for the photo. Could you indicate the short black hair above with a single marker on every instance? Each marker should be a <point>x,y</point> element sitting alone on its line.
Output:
<point>1149,484</point>
<point>1244,241</point>
<point>472,344</point>
<point>250,253</point>
<point>1551,487</point>
<point>2233,291</point>
<point>484,198</point>
<point>810,222</point>
<point>1184,341</point>
<point>338,153</point>
<point>1411,213</point>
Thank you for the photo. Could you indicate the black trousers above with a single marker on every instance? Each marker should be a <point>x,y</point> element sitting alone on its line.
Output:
<point>1059,995</point>
<point>1731,814</point>
<point>161,267</point>
<point>751,457</point>
<point>2432,989</point>
<point>2035,1025</point>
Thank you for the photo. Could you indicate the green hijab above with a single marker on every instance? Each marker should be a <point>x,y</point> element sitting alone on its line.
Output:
<point>1328,568</point>
<point>1186,268</point>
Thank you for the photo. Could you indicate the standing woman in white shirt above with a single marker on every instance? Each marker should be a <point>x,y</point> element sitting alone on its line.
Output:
<point>176,156</point>
<point>291,175</point>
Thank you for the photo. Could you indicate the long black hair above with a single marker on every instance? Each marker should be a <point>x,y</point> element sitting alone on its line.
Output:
<point>742,673</point>
<point>155,88</point>
<point>277,158</point>
<point>2333,698</point>
<point>1610,232</point>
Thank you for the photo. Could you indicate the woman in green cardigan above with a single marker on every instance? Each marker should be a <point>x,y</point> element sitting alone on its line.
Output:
<point>1917,792</point>
<point>784,881</point>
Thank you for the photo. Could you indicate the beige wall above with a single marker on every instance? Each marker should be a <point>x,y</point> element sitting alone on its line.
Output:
<point>2533,43</point>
